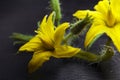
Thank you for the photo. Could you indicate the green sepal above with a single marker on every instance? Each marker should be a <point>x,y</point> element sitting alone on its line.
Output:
<point>20,38</point>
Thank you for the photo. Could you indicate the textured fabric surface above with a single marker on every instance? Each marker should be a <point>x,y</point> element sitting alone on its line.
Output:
<point>22,16</point>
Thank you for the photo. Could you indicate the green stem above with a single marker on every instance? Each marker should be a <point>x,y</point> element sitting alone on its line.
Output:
<point>67,37</point>
<point>88,56</point>
<point>55,5</point>
<point>91,57</point>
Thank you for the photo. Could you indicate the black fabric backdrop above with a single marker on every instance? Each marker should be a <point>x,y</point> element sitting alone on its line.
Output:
<point>22,16</point>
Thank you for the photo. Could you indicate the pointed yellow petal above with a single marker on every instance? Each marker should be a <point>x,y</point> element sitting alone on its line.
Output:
<point>65,51</point>
<point>32,45</point>
<point>115,7</point>
<point>114,34</point>
<point>42,25</point>
<point>59,32</point>
<point>47,24</point>
<point>46,30</point>
<point>50,25</point>
<point>94,32</point>
<point>103,7</point>
<point>37,60</point>
<point>49,29</point>
<point>81,14</point>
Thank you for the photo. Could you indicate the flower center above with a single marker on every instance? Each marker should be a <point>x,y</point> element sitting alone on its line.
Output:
<point>48,46</point>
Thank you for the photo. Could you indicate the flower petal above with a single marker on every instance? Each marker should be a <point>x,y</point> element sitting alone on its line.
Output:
<point>46,31</point>
<point>50,25</point>
<point>59,33</point>
<point>42,24</point>
<point>37,60</point>
<point>81,14</point>
<point>65,51</point>
<point>47,27</point>
<point>115,7</point>
<point>103,7</point>
<point>33,45</point>
<point>94,32</point>
<point>114,34</point>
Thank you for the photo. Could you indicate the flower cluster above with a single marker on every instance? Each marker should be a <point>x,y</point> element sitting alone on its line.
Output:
<point>53,41</point>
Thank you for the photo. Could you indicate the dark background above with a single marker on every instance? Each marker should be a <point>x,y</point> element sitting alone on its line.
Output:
<point>22,16</point>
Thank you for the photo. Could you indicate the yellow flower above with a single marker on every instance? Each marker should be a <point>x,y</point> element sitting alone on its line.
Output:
<point>106,20</point>
<point>48,43</point>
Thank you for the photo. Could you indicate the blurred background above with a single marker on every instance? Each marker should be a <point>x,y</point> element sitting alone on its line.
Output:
<point>22,16</point>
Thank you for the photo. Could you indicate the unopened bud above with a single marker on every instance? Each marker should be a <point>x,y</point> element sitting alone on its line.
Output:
<point>80,25</point>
